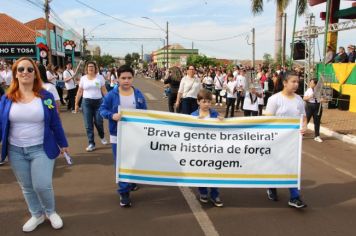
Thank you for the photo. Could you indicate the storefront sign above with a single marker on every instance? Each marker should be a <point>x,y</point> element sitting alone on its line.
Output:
<point>16,51</point>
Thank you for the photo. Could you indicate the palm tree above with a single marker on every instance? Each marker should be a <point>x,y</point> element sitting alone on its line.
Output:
<point>281,5</point>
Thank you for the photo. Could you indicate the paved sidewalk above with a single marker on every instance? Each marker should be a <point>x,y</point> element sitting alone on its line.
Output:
<point>334,123</point>
<point>343,122</point>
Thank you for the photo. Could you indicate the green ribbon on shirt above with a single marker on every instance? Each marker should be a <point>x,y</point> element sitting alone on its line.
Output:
<point>48,103</point>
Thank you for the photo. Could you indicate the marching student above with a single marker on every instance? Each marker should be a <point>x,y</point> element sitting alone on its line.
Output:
<point>125,96</point>
<point>312,108</point>
<point>250,105</point>
<point>92,89</point>
<point>287,103</point>
<point>218,83</point>
<point>204,112</point>
<point>32,137</point>
<point>231,92</point>
<point>187,93</point>
<point>49,86</point>
<point>242,86</point>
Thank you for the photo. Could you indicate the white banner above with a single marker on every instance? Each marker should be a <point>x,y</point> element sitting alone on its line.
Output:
<point>162,148</point>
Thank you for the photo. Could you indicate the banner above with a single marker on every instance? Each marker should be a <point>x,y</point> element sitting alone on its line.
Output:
<point>162,148</point>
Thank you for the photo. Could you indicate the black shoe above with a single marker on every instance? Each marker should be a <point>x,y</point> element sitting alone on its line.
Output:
<point>125,200</point>
<point>217,202</point>
<point>2,163</point>
<point>203,198</point>
<point>272,194</point>
<point>297,203</point>
<point>134,187</point>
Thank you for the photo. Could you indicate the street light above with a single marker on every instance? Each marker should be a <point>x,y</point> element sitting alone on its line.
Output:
<point>84,37</point>
<point>166,31</point>
<point>95,28</point>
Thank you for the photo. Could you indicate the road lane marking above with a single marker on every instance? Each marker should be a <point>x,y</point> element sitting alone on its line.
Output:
<point>200,215</point>
<point>345,172</point>
<point>150,97</point>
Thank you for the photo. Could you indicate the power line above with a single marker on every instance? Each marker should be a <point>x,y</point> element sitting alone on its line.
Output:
<point>36,4</point>
<point>211,40</point>
<point>145,27</point>
<point>113,17</point>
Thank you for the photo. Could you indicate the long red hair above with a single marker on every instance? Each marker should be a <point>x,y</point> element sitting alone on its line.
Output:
<point>14,93</point>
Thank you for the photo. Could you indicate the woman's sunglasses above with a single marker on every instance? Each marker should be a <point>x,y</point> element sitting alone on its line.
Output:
<point>22,69</point>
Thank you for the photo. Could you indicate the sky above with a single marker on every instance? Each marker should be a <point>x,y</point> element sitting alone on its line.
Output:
<point>191,23</point>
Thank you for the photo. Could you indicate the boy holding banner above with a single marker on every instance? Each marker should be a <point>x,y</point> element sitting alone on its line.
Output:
<point>205,111</point>
<point>125,96</point>
<point>287,103</point>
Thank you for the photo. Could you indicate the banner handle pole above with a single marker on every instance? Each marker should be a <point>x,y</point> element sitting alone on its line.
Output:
<point>118,146</point>
<point>300,153</point>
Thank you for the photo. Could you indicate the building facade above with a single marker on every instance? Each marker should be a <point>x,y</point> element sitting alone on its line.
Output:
<point>177,56</point>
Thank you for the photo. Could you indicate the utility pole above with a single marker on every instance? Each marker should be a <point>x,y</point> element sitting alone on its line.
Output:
<point>167,61</point>
<point>253,49</point>
<point>192,45</point>
<point>84,45</point>
<point>142,52</point>
<point>284,39</point>
<point>48,37</point>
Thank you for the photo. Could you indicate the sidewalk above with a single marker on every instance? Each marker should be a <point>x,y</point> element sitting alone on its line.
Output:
<point>338,124</point>
<point>334,123</point>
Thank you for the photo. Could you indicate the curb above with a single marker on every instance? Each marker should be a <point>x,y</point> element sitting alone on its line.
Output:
<point>351,139</point>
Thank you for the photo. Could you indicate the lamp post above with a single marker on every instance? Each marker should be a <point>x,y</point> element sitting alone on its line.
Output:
<point>85,35</point>
<point>164,30</point>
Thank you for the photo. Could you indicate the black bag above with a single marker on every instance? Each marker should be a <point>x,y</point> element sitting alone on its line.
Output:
<point>60,84</point>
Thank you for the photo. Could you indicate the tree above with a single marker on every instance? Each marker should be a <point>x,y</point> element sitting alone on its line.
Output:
<point>128,59</point>
<point>107,60</point>
<point>267,60</point>
<point>132,59</point>
<point>281,5</point>
<point>200,60</point>
<point>136,59</point>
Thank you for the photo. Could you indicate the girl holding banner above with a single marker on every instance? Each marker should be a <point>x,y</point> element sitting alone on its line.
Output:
<point>125,96</point>
<point>287,103</point>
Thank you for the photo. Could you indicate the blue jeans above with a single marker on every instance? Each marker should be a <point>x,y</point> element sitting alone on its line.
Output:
<point>33,171</point>
<point>189,105</point>
<point>92,117</point>
<point>124,187</point>
<point>294,193</point>
<point>214,192</point>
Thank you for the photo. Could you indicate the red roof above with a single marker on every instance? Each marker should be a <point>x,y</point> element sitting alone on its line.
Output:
<point>13,31</point>
<point>40,24</point>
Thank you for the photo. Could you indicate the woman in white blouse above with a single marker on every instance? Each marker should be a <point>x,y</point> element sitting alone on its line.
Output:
<point>188,91</point>
<point>313,108</point>
<point>92,88</point>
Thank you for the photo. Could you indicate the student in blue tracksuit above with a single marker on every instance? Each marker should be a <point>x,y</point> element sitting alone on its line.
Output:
<point>32,137</point>
<point>205,111</point>
<point>125,96</point>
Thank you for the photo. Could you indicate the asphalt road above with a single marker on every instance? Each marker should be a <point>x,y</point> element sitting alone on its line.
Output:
<point>87,200</point>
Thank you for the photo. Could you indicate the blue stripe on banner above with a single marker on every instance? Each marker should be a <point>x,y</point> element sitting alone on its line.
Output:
<point>251,126</point>
<point>208,181</point>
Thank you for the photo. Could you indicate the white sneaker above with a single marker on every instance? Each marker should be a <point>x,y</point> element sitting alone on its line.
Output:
<point>318,139</point>
<point>32,223</point>
<point>221,104</point>
<point>90,148</point>
<point>56,221</point>
<point>103,141</point>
